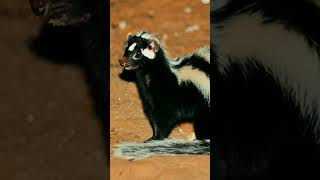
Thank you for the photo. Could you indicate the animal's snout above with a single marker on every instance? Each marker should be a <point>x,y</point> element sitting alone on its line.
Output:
<point>122,61</point>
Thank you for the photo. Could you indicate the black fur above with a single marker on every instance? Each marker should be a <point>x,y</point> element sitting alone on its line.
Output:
<point>167,103</point>
<point>259,130</point>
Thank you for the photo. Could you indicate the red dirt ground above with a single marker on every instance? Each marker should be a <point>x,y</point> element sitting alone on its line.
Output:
<point>170,19</point>
<point>49,130</point>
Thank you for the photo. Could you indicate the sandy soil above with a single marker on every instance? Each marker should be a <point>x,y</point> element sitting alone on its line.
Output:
<point>49,129</point>
<point>184,25</point>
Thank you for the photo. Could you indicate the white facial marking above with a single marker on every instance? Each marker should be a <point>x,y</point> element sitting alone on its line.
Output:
<point>131,48</point>
<point>286,53</point>
<point>146,36</point>
<point>195,76</point>
<point>148,53</point>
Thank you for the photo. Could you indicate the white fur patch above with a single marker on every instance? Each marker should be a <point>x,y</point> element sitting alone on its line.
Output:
<point>201,52</point>
<point>286,52</point>
<point>148,53</point>
<point>205,53</point>
<point>195,76</point>
<point>133,45</point>
<point>146,36</point>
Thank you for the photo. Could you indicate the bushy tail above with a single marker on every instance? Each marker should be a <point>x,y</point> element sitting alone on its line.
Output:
<point>163,147</point>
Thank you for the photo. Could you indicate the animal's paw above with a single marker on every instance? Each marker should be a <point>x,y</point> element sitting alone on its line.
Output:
<point>154,139</point>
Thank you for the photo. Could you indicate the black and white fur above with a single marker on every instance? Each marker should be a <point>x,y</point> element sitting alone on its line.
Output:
<point>167,147</point>
<point>172,91</point>
<point>266,89</point>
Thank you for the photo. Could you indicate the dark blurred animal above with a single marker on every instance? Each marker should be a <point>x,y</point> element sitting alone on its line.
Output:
<point>75,31</point>
<point>266,89</point>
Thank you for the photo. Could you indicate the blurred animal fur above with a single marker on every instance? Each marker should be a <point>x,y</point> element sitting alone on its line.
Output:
<point>266,95</point>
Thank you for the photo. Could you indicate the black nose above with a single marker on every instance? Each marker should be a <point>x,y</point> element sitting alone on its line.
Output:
<point>138,56</point>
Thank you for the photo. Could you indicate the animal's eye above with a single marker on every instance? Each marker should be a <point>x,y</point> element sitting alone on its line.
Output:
<point>149,47</point>
<point>138,56</point>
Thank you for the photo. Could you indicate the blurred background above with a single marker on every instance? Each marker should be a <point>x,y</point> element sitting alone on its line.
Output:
<point>49,127</point>
<point>184,26</point>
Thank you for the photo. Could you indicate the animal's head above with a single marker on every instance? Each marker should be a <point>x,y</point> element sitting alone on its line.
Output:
<point>140,50</point>
<point>60,13</point>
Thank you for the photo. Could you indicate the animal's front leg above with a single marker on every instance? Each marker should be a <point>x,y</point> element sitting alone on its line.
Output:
<point>161,127</point>
<point>202,126</point>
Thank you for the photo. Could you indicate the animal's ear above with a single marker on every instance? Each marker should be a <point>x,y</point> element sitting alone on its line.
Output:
<point>129,35</point>
<point>154,46</point>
